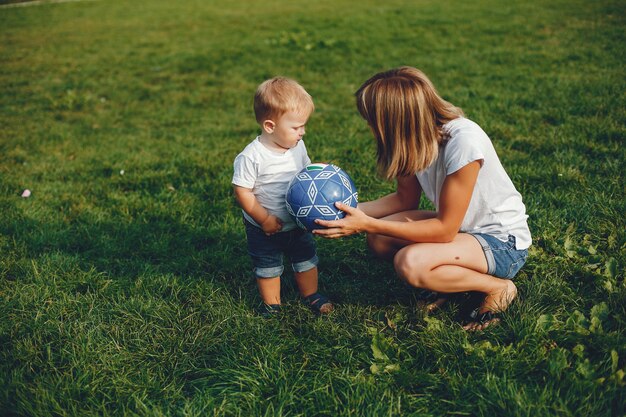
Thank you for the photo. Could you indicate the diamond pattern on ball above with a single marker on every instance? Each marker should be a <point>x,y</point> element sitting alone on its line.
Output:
<point>346,182</point>
<point>312,192</point>
<point>324,175</point>
<point>325,210</point>
<point>304,211</point>
<point>304,176</point>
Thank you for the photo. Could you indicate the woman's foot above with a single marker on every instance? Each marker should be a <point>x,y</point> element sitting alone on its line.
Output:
<point>496,302</point>
<point>436,305</point>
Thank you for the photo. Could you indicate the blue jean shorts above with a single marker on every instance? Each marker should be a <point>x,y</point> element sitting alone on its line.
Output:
<point>503,260</point>
<point>267,251</point>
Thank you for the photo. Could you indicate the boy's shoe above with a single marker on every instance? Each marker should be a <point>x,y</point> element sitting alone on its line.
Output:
<point>320,304</point>
<point>269,310</point>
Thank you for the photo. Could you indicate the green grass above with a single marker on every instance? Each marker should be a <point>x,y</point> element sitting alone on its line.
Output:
<point>131,294</point>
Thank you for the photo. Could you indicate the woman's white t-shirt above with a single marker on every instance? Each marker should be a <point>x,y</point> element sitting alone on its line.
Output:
<point>268,173</point>
<point>496,208</point>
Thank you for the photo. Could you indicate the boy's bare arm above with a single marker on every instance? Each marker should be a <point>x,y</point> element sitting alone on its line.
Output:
<point>248,202</point>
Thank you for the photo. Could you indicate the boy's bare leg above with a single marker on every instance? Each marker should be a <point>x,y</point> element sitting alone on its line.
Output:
<point>269,288</point>
<point>307,282</point>
<point>307,285</point>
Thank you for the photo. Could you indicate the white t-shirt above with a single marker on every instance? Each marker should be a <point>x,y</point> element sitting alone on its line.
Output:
<point>496,207</point>
<point>268,174</point>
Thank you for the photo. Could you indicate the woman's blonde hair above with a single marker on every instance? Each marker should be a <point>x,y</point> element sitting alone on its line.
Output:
<point>406,115</point>
<point>277,96</point>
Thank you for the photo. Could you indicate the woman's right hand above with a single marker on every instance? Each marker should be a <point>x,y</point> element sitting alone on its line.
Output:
<point>355,222</point>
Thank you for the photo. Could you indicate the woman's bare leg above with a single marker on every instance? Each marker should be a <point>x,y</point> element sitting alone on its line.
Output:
<point>386,247</point>
<point>457,266</point>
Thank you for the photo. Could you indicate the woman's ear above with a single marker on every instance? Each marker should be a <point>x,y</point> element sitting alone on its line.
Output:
<point>269,126</point>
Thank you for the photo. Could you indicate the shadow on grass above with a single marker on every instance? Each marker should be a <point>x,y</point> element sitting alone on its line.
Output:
<point>124,251</point>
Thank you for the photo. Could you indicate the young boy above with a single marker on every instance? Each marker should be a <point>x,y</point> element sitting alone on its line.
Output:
<point>262,174</point>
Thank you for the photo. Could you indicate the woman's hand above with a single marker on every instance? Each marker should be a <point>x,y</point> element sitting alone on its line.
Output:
<point>355,222</point>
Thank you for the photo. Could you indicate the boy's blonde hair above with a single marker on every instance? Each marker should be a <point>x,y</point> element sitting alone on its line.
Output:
<point>405,114</point>
<point>277,96</point>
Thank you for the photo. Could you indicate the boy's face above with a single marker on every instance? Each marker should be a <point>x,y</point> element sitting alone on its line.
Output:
<point>287,130</point>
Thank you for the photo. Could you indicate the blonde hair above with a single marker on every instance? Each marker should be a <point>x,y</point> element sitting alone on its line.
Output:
<point>406,115</point>
<point>277,96</point>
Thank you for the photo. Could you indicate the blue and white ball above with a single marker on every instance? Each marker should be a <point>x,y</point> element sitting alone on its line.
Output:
<point>313,192</point>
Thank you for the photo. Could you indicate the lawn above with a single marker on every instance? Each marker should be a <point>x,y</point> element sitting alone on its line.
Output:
<point>125,284</point>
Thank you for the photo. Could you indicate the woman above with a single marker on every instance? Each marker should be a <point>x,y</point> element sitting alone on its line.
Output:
<point>477,239</point>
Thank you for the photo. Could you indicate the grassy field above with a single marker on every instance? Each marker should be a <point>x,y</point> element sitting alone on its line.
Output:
<point>125,286</point>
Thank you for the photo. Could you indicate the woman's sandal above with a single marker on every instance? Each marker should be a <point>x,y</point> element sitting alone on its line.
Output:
<point>426,296</point>
<point>479,321</point>
<point>472,317</point>
<point>320,304</point>
<point>431,301</point>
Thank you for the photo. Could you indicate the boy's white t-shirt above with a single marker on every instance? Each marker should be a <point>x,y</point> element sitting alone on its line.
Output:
<point>496,207</point>
<point>268,174</point>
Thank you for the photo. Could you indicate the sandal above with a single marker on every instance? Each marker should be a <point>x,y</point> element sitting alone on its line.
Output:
<point>431,301</point>
<point>320,304</point>
<point>269,310</point>
<point>479,321</point>
<point>427,296</point>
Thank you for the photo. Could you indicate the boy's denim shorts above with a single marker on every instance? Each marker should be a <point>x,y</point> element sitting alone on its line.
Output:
<point>267,251</point>
<point>503,260</point>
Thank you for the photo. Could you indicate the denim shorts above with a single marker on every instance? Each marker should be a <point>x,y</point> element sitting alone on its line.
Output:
<point>503,260</point>
<point>267,251</point>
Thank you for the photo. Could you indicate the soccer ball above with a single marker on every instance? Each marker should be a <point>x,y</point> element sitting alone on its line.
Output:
<point>312,194</point>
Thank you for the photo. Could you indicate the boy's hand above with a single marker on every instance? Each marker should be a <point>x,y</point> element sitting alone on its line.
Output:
<point>272,225</point>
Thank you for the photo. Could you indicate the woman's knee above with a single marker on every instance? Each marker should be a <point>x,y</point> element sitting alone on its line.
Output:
<point>410,266</point>
<point>379,246</point>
